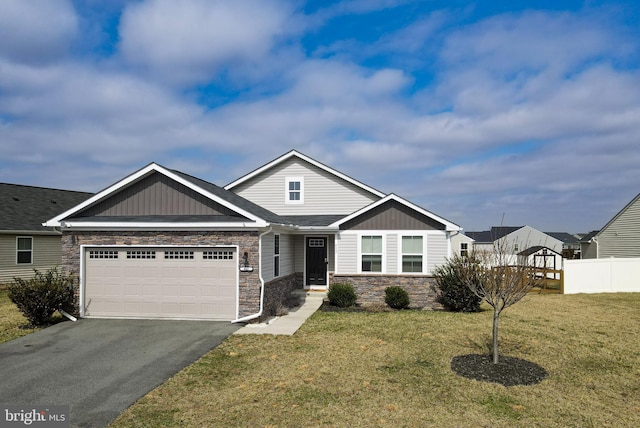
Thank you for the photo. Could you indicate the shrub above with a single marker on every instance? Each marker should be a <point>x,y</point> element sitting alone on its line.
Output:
<point>342,295</point>
<point>39,297</point>
<point>396,297</point>
<point>451,292</point>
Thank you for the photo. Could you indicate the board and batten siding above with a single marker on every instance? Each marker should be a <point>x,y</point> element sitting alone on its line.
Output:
<point>47,254</point>
<point>621,237</point>
<point>323,192</point>
<point>157,195</point>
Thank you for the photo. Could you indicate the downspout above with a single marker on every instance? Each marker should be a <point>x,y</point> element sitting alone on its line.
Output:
<point>259,313</point>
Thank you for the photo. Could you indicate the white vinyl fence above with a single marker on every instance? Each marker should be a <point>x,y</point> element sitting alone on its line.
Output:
<point>602,275</point>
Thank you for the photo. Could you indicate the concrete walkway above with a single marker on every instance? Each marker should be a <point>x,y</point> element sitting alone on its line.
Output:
<point>290,323</point>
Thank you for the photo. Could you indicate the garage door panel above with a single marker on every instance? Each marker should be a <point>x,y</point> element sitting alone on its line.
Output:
<point>131,283</point>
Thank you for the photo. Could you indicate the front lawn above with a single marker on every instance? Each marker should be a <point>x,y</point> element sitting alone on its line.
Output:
<point>12,323</point>
<point>393,369</point>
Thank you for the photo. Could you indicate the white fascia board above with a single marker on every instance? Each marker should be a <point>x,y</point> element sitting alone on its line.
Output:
<point>153,167</point>
<point>96,225</point>
<point>294,153</point>
<point>449,226</point>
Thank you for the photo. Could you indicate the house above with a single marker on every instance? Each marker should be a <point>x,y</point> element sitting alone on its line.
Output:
<point>162,244</point>
<point>588,246</point>
<point>620,237</point>
<point>516,239</point>
<point>25,244</point>
<point>570,244</point>
<point>461,243</point>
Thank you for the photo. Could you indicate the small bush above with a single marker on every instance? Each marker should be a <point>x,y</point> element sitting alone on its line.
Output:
<point>396,297</point>
<point>451,292</point>
<point>39,297</point>
<point>342,295</point>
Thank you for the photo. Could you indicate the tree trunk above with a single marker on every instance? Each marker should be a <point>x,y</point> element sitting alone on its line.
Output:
<point>496,317</point>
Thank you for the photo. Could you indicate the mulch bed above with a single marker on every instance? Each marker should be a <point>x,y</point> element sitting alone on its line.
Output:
<point>509,371</point>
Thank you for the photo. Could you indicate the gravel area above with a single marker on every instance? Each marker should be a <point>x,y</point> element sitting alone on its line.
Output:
<point>509,371</point>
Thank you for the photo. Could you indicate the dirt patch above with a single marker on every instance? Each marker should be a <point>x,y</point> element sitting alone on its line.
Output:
<point>509,371</point>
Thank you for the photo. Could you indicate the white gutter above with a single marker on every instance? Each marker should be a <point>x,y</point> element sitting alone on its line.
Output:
<point>256,315</point>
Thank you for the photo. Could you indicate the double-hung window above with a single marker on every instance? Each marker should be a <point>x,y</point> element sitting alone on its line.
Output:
<point>464,249</point>
<point>24,250</point>
<point>412,254</point>
<point>276,255</point>
<point>294,190</point>
<point>371,249</point>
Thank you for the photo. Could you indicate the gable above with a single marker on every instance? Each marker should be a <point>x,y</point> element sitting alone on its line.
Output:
<point>323,192</point>
<point>156,195</point>
<point>392,215</point>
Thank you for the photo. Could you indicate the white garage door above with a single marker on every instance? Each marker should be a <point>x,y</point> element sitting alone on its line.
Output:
<point>179,283</point>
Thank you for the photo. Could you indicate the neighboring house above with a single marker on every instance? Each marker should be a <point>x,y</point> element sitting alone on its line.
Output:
<point>620,237</point>
<point>461,243</point>
<point>25,244</point>
<point>570,244</point>
<point>162,244</point>
<point>515,239</point>
<point>588,246</point>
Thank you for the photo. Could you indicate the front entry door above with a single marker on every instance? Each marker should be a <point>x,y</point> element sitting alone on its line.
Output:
<point>316,273</point>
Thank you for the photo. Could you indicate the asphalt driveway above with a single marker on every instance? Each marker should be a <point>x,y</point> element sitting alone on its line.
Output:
<point>101,367</point>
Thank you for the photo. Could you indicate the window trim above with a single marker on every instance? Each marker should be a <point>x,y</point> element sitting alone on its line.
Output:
<point>276,255</point>
<point>464,252</point>
<point>18,251</point>
<point>383,267</point>
<point>401,253</point>
<point>288,192</point>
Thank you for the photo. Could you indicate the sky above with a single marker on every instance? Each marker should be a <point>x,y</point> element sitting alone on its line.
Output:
<point>485,113</point>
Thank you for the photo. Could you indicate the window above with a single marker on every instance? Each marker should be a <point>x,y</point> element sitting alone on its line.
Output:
<point>24,250</point>
<point>182,255</point>
<point>276,255</point>
<point>103,254</point>
<point>371,253</point>
<point>294,192</point>
<point>141,254</point>
<point>412,254</point>
<point>464,249</point>
<point>217,255</point>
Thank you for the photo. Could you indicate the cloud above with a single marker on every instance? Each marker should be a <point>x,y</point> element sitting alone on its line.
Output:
<point>36,32</point>
<point>192,40</point>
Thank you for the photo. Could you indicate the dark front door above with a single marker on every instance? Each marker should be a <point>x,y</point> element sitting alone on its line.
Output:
<point>316,263</point>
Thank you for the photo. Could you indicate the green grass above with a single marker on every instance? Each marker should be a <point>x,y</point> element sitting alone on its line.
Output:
<point>393,369</point>
<point>12,323</point>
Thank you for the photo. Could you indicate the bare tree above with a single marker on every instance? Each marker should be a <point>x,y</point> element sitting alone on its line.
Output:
<point>501,278</point>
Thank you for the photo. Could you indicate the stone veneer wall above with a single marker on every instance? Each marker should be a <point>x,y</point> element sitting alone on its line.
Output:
<point>249,285</point>
<point>370,288</point>
<point>277,291</point>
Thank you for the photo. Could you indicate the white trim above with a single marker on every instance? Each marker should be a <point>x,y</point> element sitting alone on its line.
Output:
<point>287,191</point>
<point>383,260</point>
<point>393,197</point>
<point>402,234</point>
<point>294,153</point>
<point>116,225</point>
<point>138,175</point>
<point>82,277</point>
<point>32,250</point>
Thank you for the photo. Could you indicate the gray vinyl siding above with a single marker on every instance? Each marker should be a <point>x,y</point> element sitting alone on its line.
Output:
<point>392,253</point>
<point>437,249</point>
<point>621,237</point>
<point>347,254</point>
<point>287,255</point>
<point>323,192</point>
<point>299,243</point>
<point>47,254</point>
<point>157,195</point>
